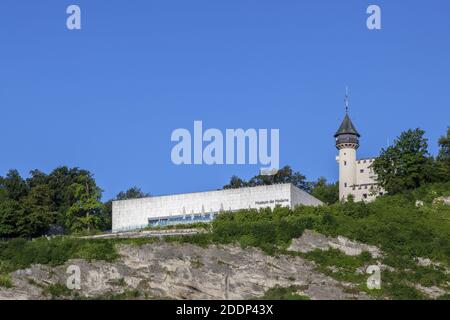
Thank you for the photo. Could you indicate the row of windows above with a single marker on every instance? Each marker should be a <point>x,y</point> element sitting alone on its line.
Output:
<point>360,170</point>
<point>365,195</point>
<point>184,219</point>
<point>359,188</point>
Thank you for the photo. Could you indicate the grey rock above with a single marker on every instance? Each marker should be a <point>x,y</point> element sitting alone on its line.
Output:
<point>184,271</point>
<point>311,240</point>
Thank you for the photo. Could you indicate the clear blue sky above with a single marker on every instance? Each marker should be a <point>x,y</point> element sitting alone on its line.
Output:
<point>106,98</point>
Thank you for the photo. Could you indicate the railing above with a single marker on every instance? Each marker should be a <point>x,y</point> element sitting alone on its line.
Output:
<point>130,228</point>
<point>347,138</point>
<point>146,233</point>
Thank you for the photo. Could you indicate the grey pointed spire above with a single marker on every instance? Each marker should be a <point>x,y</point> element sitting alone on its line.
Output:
<point>347,127</point>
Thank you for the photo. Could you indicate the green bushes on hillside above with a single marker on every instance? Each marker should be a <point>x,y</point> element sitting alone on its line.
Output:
<point>19,253</point>
<point>265,229</point>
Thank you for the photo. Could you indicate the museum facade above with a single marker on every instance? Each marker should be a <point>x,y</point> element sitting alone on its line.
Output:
<point>193,207</point>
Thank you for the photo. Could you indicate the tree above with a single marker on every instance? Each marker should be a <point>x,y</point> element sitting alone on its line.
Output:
<point>132,193</point>
<point>326,192</point>
<point>283,175</point>
<point>84,213</point>
<point>444,144</point>
<point>36,214</point>
<point>14,185</point>
<point>405,165</point>
<point>235,183</point>
<point>442,165</point>
<point>9,217</point>
<point>67,197</point>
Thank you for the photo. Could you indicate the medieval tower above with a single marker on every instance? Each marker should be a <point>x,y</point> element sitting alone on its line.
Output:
<point>356,177</point>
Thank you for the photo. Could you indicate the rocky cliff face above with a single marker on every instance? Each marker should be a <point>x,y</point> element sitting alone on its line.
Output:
<point>310,241</point>
<point>183,271</point>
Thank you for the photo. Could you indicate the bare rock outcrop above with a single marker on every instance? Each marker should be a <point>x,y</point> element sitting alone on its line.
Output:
<point>442,200</point>
<point>311,240</point>
<point>184,271</point>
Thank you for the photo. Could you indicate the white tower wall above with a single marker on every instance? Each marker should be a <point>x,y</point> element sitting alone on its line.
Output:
<point>347,171</point>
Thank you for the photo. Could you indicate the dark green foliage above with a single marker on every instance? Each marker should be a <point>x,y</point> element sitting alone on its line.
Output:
<point>132,193</point>
<point>442,165</point>
<point>19,253</point>
<point>283,175</point>
<point>265,229</point>
<point>5,281</point>
<point>10,211</point>
<point>235,183</point>
<point>326,192</point>
<point>14,186</point>
<point>345,266</point>
<point>444,144</point>
<point>395,288</point>
<point>406,165</point>
<point>68,198</point>
<point>200,239</point>
<point>57,291</point>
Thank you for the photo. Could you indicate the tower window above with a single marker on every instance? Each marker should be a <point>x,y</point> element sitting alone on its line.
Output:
<point>361,171</point>
<point>345,163</point>
<point>345,184</point>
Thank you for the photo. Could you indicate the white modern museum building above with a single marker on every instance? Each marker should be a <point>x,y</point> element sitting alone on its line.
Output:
<point>203,206</point>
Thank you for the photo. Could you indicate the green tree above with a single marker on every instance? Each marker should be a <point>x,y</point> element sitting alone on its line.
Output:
<point>442,164</point>
<point>444,144</point>
<point>326,192</point>
<point>283,175</point>
<point>85,212</point>
<point>14,185</point>
<point>67,197</point>
<point>235,183</point>
<point>9,216</point>
<point>36,214</point>
<point>132,193</point>
<point>406,164</point>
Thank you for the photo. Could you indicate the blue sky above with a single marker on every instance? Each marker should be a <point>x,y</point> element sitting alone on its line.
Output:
<point>107,98</point>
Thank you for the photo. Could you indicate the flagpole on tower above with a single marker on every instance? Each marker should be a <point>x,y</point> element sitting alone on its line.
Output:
<point>346,99</point>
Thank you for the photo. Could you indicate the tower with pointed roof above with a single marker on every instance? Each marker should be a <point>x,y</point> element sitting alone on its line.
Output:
<point>355,176</point>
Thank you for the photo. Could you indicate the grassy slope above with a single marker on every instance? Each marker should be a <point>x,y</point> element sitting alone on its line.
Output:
<point>393,223</point>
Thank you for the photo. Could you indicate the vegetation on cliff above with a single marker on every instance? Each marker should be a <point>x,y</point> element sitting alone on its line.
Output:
<point>402,230</point>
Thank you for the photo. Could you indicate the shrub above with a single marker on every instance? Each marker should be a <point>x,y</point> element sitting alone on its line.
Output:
<point>5,281</point>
